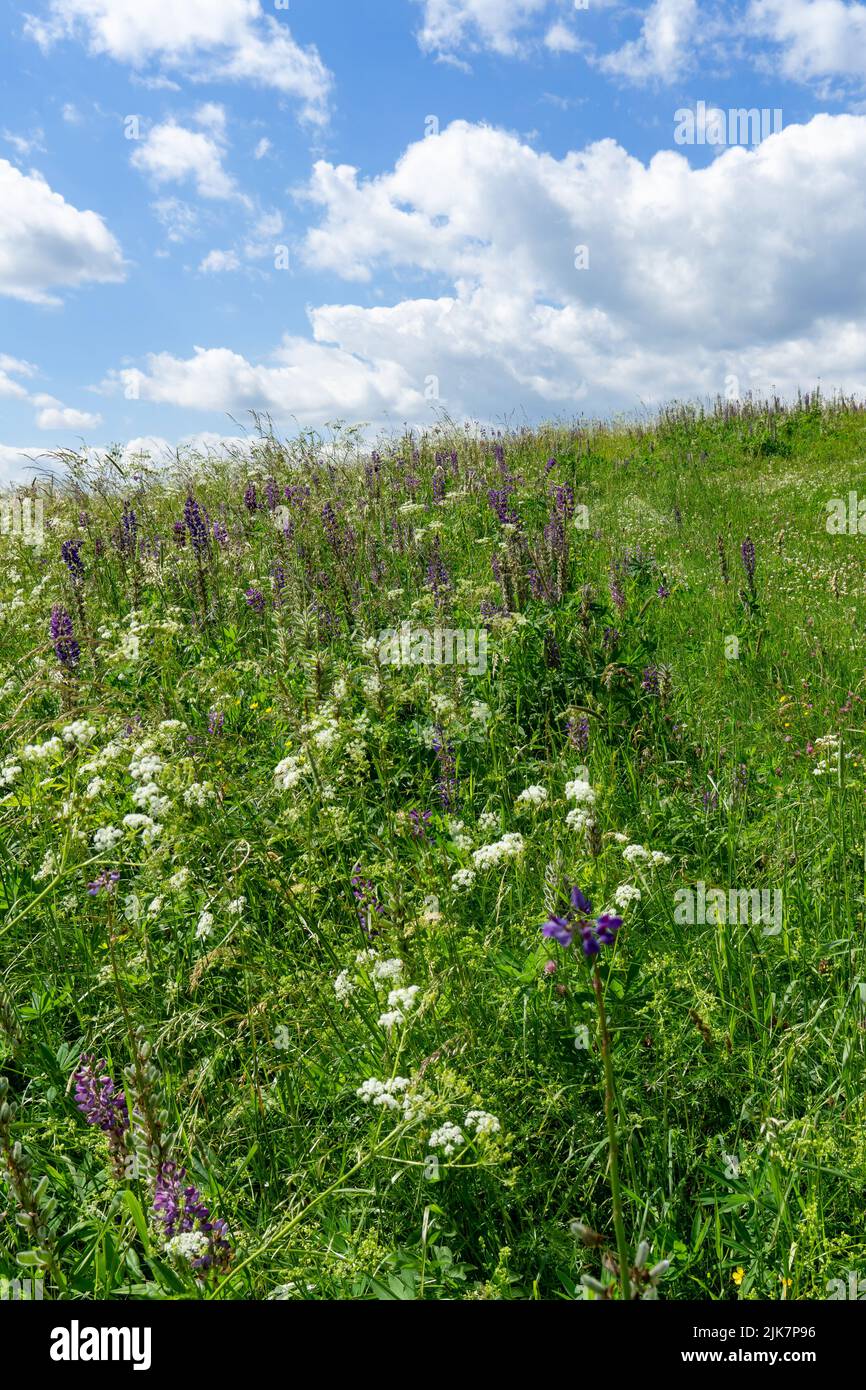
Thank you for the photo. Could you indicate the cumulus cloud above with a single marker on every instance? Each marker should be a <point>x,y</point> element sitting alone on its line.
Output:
<point>663,49</point>
<point>818,39</point>
<point>204,40</point>
<point>449,25</point>
<point>749,268</point>
<point>11,367</point>
<point>217,261</point>
<point>57,416</point>
<point>170,153</point>
<point>46,244</point>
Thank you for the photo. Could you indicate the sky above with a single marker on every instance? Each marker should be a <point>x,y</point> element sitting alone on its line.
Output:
<point>383,212</point>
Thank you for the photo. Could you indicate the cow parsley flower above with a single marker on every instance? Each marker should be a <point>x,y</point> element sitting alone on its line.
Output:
<point>448,1137</point>
<point>533,796</point>
<point>580,791</point>
<point>482,1123</point>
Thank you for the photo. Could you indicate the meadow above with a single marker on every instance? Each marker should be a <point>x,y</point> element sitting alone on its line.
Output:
<point>363,813</point>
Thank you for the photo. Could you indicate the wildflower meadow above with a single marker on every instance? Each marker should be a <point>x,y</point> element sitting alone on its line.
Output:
<point>436,871</point>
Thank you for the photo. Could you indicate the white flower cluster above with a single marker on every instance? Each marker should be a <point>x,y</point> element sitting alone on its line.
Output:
<point>533,796</point>
<point>78,733</point>
<point>199,794</point>
<point>462,878</point>
<point>580,791</point>
<point>204,928</point>
<point>287,774</point>
<point>482,1123</point>
<point>508,847</point>
<point>487,821</point>
<point>626,894</point>
<point>459,837</point>
<point>636,854</point>
<point>189,1246</point>
<point>8,774</point>
<point>41,752</point>
<point>106,838</point>
<point>400,1003</point>
<point>144,767</point>
<point>448,1137</point>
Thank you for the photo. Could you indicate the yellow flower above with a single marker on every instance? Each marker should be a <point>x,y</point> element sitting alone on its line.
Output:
<point>738,1276</point>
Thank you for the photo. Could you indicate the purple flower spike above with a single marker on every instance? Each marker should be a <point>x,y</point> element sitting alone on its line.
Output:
<point>593,933</point>
<point>181,1210</point>
<point>98,1099</point>
<point>559,930</point>
<point>66,649</point>
<point>580,902</point>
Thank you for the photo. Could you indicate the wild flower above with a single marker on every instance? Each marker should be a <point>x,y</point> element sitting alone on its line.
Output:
<point>66,649</point>
<point>100,1101</point>
<point>181,1211</point>
<point>448,1137</point>
<point>593,932</point>
<point>532,796</point>
<point>508,847</point>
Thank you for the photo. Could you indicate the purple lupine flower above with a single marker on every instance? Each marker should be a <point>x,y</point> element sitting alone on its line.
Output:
<point>651,680</point>
<point>181,1210</point>
<point>663,591</point>
<point>551,463</point>
<point>128,532</point>
<point>438,484</point>
<point>271,494</point>
<point>196,521</point>
<point>616,593</point>
<point>594,932</point>
<point>420,820</point>
<point>578,733</point>
<point>106,882</point>
<point>367,902</point>
<point>178,530</point>
<point>610,638</point>
<point>98,1099</point>
<point>250,500</point>
<point>66,649</point>
<point>499,499</point>
<point>71,557</point>
<point>446,786</point>
<point>747,553</point>
<point>255,600</point>
<point>220,534</point>
<point>215,721</point>
<point>437,575</point>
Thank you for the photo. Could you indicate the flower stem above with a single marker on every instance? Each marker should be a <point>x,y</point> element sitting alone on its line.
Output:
<point>613,1147</point>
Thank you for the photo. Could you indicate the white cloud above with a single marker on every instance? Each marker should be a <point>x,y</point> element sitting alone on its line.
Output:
<point>172,154</point>
<point>750,267</point>
<point>205,40</point>
<point>664,47</point>
<point>216,261</point>
<point>60,417</point>
<point>449,25</point>
<point>262,148</point>
<point>25,145</point>
<point>11,367</point>
<point>304,380</point>
<point>47,244</point>
<point>819,39</point>
<point>19,464</point>
<point>560,39</point>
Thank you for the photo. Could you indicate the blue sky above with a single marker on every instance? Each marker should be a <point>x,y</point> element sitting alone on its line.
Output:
<point>380,210</point>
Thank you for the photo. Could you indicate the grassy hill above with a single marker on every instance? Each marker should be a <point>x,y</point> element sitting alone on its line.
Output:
<point>286,875</point>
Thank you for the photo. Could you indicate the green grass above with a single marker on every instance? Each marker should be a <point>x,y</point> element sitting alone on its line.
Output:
<point>738,1055</point>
